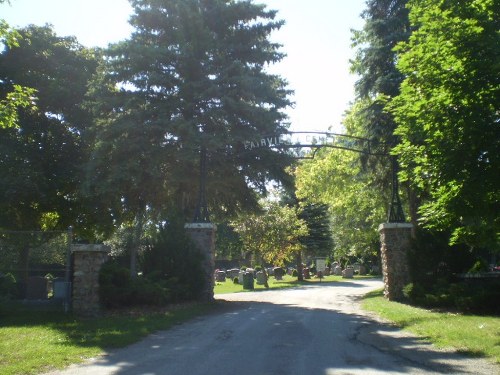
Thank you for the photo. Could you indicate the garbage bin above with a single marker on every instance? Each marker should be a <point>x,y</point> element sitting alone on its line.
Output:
<point>248,280</point>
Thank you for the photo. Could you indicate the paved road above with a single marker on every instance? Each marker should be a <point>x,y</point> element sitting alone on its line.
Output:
<point>316,330</point>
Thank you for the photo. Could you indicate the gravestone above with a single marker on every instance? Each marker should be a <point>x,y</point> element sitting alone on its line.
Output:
<point>348,273</point>
<point>261,278</point>
<point>337,271</point>
<point>220,276</point>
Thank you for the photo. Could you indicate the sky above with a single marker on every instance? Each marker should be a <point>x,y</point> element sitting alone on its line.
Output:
<point>316,38</point>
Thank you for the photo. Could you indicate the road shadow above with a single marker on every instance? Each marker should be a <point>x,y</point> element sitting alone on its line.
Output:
<point>261,338</point>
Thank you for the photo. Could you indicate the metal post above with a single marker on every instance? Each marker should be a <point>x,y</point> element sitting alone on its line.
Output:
<point>67,276</point>
<point>396,214</point>
<point>201,213</point>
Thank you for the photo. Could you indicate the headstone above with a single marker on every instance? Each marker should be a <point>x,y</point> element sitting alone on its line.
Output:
<point>348,273</point>
<point>306,273</point>
<point>220,276</point>
<point>240,277</point>
<point>337,271</point>
<point>232,273</point>
<point>261,278</point>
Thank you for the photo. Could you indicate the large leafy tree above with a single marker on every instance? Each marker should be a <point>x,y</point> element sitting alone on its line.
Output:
<point>41,157</point>
<point>191,78</point>
<point>273,235</point>
<point>448,116</point>
<point>19,96</point>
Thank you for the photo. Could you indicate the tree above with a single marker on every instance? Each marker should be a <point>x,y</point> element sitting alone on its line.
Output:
<point>447,116</point>
<point>273,235</point>
<point>19,96</point>
<point>386,24</point>
<point>337,179</point>
<point>318,241</point>
<point>190,80</point>
<point>41,157</point>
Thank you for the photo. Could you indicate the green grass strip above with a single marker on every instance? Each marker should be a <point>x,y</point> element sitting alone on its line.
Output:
<point>36,341</point>
<point>470,334</point>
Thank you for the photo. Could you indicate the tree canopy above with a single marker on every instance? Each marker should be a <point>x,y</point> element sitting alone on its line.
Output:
<point>447,116</point>
<point>272,235</point>
<point>42,155</point>
<point>191,77</point>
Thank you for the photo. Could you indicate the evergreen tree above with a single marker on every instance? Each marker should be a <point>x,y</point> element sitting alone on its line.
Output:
<point>192,77</point>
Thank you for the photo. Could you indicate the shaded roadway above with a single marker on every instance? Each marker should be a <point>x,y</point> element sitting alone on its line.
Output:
<point>316,330</point>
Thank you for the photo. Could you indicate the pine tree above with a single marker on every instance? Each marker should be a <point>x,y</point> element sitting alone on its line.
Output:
<point>192,77</point>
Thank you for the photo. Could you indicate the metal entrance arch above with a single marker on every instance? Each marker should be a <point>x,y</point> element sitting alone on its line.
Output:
<point>313,141</point>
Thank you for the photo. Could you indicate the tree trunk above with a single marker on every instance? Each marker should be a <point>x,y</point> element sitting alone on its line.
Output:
<point>266,284</point>
<point>136,245</point>
<point>300,276</point>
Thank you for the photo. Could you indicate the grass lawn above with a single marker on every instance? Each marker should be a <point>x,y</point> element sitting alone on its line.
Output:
<point>34,341</point>
<point>470,334</point>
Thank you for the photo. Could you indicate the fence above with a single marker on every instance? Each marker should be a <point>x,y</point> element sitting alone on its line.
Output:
<point>39,261</point>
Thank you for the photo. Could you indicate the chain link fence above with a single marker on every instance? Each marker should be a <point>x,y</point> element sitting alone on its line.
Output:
<point>35,265</point>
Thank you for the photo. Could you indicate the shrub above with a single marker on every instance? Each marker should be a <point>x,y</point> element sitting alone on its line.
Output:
<point>413,292</point>
<point>479,266</point>
<point>8,286</point>
<point>175,262</point>
<point>236,280</point>
<point>118,289</point>
<point>295,273</point>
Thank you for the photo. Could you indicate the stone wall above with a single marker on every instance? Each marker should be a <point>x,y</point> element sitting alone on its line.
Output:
<point>395,243</point>
<point>203,235</point>
<point>87,262</point>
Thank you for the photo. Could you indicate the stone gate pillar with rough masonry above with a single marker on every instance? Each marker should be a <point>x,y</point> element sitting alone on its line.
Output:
<point>87,262</point>
<point>395,243</point>
<point>203,235</point>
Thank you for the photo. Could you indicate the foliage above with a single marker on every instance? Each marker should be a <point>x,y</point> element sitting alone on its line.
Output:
<point>447,116</point>
<point>174,260</point>
<point>475,295</point>
<point>386,24</point>
<point>118,289</point>
<point>8,286</point>
<point>272,235</point>
<point>191,76</point>
<point>227,243</point>
<point>335,178</point>
<point>319,241</point>
<point>20,97</point>
<point>43,154</point>
<point>430,257</point>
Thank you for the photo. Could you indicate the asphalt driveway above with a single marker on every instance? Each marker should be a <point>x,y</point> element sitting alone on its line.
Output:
<point>311,330</point>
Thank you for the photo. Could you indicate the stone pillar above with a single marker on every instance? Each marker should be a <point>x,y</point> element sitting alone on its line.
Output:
<point>203,235</point>
<point>395,243</point>
<point>87,262</point>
